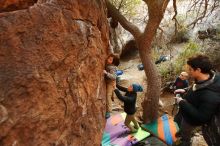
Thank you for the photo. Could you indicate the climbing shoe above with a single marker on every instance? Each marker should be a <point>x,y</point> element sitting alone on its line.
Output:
<point>133,130</point>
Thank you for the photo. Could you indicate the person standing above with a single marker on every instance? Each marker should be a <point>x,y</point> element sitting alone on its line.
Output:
<point>181,81</point>
<point>129,100</point>
<point>110,75</point>
<point>200,103</point>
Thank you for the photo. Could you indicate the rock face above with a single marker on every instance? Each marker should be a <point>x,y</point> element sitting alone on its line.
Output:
<point>12,5</point>
<point>52,89</point>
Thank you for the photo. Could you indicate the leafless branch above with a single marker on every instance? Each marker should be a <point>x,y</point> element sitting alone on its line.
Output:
<point>162,32</point>
<point>175,9</point>
<point>214,7</point>
<point>174,17</point>
<point>201,17</point>
<point>114,13</point>
<point>120,5</point>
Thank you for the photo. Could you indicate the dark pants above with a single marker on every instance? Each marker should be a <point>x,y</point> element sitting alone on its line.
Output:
<point>178,118</point>
<point>128,120</point>
<point>211,132</point>
<point>186,133</point>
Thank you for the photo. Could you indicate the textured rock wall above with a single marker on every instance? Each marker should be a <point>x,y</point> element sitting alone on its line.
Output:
<point>12,5</point>
<point>52,90</point>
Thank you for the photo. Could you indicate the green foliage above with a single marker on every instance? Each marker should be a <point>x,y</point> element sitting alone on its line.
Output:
<point>182,34</point>
<point>169,70</point>
<point>166,70</point>
<point>127,7</point>
<point>155,54</point>
<point>190,50</point>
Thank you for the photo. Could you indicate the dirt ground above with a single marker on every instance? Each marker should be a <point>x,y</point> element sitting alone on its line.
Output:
<point>133,75</point>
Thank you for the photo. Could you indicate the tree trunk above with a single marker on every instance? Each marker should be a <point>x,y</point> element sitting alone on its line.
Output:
<point>156,10</point>
<point>150,103</point>
<point>52,90</point>
<point>114,41</point>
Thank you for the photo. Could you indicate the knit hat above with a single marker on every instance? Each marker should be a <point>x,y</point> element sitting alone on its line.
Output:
<point>137,88</point>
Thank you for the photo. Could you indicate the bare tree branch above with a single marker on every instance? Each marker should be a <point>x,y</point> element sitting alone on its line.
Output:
<point>201,17</point>
<point>161,6</point>
<point>214,7</point>
<point>113,12</point>
<point>175,9</point>
<point>120,5</point>
<point>162,32</point>
<point>174,17</point>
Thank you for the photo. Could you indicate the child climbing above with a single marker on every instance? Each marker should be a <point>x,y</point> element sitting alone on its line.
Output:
<point>110,74</point>
<point>129,100</point>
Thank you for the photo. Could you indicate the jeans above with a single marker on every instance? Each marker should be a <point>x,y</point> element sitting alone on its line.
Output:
<point>128,120</point>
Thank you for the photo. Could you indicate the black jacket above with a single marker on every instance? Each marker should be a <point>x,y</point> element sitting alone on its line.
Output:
<point>200,102</point>
<point>129,99</point>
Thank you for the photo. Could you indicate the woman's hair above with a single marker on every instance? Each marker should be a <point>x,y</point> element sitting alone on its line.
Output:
<point>202,62</point>
<point>116,60</point>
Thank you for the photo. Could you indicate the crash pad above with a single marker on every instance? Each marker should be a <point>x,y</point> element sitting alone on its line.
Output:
<point>117,134</point>
<point>163,128</point>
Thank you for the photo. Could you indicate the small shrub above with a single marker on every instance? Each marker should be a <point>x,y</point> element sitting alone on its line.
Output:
<point>190,50</point>
<point>181,36</point>
<point>169,70</point>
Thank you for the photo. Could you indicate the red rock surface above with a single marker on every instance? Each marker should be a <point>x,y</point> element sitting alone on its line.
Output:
<point>52,90</point>
<point>12,5</point>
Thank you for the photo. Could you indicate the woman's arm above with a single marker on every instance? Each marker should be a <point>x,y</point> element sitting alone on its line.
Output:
<point>121,97</point>
<point>122,88</point>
